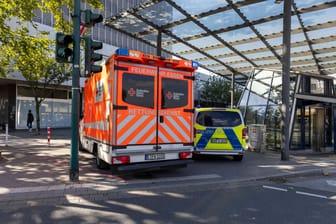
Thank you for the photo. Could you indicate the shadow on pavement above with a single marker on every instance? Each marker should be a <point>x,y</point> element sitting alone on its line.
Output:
<point>28,161</point>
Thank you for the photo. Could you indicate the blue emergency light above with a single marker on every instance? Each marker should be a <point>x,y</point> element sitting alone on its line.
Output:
<point>194,64</point>
<point>122,52</point>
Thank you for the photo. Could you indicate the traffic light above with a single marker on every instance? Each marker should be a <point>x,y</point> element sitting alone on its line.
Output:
<point>91,56</point>
<point>92,18</point>
<point>63,53</point>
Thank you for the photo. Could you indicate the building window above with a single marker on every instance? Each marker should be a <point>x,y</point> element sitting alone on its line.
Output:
<point>48,93</point>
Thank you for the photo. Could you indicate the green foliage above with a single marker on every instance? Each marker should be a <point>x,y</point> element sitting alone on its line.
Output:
<point>16,16</point>
<point>217,92</point>
<point>27,49</point>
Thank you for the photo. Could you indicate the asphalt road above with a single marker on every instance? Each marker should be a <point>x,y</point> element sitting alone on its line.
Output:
<point>277,202</point>
<point>35,189</point>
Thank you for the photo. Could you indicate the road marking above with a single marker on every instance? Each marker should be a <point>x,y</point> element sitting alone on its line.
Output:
<point>331,182</point>
<point>312,195</point>
<point>298,192</point>
<point>274,188</point>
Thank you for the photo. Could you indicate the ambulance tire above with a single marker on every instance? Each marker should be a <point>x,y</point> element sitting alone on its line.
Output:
<point>238,158</point>
<point>80,137</point>
<point>80,146</point>
<point>101,164</point>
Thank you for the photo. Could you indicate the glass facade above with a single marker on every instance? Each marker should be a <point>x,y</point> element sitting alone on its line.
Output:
<point>55,111</point>
<point>228,37</point>
<point>311,97</point>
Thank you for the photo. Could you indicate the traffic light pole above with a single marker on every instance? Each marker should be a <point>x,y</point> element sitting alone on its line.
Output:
<point>74,168</point>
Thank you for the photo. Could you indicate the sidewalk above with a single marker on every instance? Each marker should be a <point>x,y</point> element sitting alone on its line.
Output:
<point>29,161</point>
<point>32,169</point>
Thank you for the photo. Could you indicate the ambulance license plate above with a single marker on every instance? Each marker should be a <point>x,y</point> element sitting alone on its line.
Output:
<point>154,156</point>
<point>219,140</point>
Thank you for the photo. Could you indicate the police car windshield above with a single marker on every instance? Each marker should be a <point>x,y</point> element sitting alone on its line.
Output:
<point>219,119</point>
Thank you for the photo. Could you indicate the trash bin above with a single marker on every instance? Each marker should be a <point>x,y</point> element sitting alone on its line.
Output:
<point>257,137</point>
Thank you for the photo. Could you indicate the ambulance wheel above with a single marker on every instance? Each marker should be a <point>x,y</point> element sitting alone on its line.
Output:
<point>80,146</point>
<point>101,164</point>
<point>238,158</point>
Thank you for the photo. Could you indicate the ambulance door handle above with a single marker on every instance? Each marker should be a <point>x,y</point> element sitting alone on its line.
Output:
<point>161,119</point>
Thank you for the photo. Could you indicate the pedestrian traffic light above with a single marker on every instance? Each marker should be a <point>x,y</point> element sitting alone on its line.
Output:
<point>63,53</point>
<point>91,56</point>
<point>92,18</point>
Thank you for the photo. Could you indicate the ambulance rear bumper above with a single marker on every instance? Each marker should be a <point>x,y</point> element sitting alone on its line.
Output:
<point>157,165</point>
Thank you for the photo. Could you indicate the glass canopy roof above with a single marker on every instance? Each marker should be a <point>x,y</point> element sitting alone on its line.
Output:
<point>228,37</point>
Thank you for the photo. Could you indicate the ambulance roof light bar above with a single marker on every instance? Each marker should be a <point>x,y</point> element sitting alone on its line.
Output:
<point>122,52</point>
<point>195,64</point>
<point>151,59</point>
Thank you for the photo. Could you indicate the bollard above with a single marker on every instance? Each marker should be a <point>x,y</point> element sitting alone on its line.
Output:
<point>48,136</point>
<point>6,141</point>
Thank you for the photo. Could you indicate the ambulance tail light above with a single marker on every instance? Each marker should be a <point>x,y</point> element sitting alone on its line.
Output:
<point>120,160</point>
<point>185,155</point>
<point>244,133</point>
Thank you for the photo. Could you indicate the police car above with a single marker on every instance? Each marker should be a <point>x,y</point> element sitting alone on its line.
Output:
<point>220,131</point>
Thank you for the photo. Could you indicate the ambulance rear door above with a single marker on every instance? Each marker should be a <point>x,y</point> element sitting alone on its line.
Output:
<point>135,108</point>
<point>175,126</point>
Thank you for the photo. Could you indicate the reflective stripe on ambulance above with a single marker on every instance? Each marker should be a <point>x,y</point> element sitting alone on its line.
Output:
<point>133,129</point>
<point>141,129</point>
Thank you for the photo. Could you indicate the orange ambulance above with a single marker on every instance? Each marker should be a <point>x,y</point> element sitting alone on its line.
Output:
<point>138,112</point>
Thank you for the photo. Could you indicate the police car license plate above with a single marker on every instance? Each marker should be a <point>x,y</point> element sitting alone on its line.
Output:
<point>154,156</point>
<point>219,140</point>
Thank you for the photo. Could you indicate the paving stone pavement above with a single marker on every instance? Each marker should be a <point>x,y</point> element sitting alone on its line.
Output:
<point>32,171</point>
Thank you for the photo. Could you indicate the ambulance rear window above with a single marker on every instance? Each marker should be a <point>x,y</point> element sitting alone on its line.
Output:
<point>219,119</point>
<point>174,93</point>
<point>138,90</point>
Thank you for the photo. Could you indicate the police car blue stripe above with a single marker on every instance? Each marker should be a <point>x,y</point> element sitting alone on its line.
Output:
<point>206,135</point>
<point>232,137</point>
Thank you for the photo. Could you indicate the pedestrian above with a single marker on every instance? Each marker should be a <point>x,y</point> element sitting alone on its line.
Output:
<point>30,119</point>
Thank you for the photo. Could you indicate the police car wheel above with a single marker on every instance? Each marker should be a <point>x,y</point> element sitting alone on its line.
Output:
<point>238,158</point>
<point>195,156</point>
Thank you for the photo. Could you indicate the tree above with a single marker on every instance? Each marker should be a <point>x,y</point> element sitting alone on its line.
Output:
<point>40,69</point>
<point>32,53</point>
<point>20,13</point>
<point>217,92</point>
